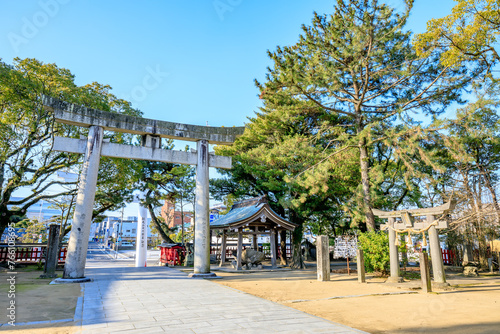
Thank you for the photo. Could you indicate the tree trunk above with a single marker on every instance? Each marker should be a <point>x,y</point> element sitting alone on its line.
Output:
<point>365,181</point>
<point>297,261</point>
<point>158,227</point>
<point>489,185</point>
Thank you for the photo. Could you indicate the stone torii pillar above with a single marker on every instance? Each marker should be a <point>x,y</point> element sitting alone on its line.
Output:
<point>393,254</point>
<point>202,215</point>
<point>74,267</point>
<point>436,254</point>
<point>94,148</point>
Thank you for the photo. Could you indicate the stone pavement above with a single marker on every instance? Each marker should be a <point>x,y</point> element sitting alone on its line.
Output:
<point>159,299</point>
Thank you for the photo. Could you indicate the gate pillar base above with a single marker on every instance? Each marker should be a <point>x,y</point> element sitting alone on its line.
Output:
<point>207,275</point>
<point>71,280</point>
<point>395,280</point>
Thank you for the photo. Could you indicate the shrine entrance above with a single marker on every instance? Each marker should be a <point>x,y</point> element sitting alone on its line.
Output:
<point>404,221</point>
<point>152,131</point>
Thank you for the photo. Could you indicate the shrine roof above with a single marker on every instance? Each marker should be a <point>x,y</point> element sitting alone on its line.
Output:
<point>254,210</point>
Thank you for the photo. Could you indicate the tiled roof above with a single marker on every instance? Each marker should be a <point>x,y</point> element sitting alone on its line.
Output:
<point>248,211</point>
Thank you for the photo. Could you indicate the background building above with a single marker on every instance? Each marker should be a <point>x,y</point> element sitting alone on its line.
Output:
<point>173,217</point>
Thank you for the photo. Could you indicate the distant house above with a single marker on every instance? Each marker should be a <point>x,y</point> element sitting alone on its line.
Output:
<point>172,217</point>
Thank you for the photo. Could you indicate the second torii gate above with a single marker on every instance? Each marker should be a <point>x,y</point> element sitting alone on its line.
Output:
<point>408,224</point>
<point>152,131</point>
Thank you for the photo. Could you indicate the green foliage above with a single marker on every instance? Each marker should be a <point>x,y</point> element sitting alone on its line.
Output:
<point>346,93</point>
<point>160,181</point>
<point>27,130</point>
<point>33,231</point>
<point>469,33</point>
<point>176,237</point>
<point>375,246</point>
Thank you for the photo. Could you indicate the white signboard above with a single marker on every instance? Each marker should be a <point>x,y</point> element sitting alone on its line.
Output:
<point>345,246</point>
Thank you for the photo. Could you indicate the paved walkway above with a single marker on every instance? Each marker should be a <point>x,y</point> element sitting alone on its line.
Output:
<point>125,299</point>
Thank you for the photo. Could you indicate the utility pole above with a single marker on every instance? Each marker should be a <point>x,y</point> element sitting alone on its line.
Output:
<point>119,236</point>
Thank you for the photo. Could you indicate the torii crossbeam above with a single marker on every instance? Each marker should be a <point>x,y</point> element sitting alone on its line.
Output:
<point>407,222</point>
<point>152,131</point>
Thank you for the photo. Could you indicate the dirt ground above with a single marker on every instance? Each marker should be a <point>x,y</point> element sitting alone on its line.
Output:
<point>35,302</point>
<point>471,306</point>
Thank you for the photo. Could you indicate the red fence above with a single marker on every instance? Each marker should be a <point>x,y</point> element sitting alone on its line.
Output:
<point>29,253</point>
<point>173,255</point>
<point>449,256</point>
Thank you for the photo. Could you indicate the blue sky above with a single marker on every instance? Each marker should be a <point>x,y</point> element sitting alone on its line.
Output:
<point>182,61</point>
<point>204,55</point>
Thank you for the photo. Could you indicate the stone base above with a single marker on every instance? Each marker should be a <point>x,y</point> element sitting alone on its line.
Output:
<point>206,275</point>
<point>395,280</point>
<point>48,275</point>
<point>71,280</point>
<point>441,285</point>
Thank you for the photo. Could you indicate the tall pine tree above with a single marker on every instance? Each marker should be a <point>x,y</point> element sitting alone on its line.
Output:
<point>359,65</point>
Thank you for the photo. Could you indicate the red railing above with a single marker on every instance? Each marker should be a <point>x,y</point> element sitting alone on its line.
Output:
<point>173,256</point>
<point>449,256</point>
<point>29,253</point>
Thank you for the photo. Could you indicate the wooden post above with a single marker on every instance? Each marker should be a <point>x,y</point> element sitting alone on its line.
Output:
<point>322,258</point>
<point>276,242</point>
<point>425,273</point>
<point>498,258</point>
<point>51,256</point>
<point>254,239</point>
<point>223,249</point>
<point>283,248</point>
<point>240,246</point>
<point>273,248</point>
<point>360,262</point>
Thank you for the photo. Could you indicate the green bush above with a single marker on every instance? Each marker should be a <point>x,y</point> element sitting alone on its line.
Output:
<point>375,246</point>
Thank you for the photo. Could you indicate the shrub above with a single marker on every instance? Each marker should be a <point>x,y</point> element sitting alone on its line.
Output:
<point>375,246</point>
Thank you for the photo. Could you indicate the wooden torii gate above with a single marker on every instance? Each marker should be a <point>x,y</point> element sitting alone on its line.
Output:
<point>152,131</point>
<point>407,224</point>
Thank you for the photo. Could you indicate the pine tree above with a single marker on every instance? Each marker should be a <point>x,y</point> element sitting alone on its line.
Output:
<point>358,64</point>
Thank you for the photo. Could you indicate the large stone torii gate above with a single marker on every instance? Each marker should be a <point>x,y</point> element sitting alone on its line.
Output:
<point>152,131</point>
